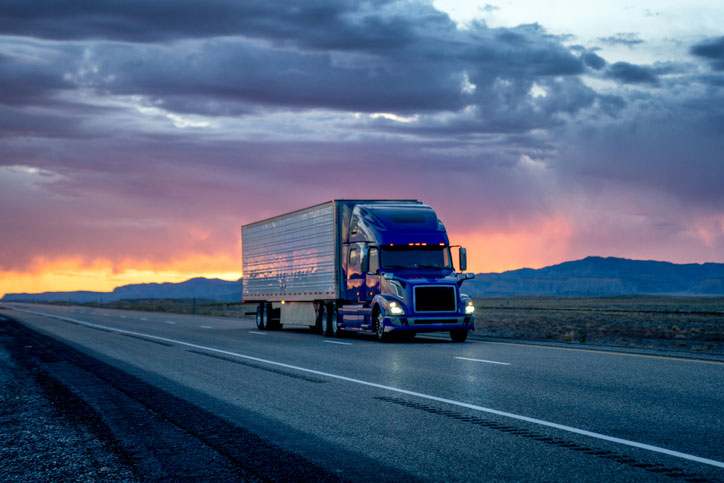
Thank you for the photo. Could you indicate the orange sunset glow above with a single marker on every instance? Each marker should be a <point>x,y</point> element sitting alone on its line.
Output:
<point>544,243</point>
<point>103,276</point>
<point>534,244</point>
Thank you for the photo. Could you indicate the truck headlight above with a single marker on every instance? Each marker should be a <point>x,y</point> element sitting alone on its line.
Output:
<point>396,309</point>
<point>469,307</point>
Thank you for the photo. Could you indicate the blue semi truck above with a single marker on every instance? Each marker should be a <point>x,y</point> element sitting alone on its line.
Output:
<point>379,266</point>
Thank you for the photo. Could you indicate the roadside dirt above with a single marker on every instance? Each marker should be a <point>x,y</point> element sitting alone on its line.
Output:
<point>41,437</point>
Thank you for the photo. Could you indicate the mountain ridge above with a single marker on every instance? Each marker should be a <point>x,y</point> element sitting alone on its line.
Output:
<point>198,287</point>
<point>589,277</point>
<point>603,276</point>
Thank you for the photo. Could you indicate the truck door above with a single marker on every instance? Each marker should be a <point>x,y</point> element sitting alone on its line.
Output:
<point>355,277</point>
<point>355,284</point>
<point>371,266</point>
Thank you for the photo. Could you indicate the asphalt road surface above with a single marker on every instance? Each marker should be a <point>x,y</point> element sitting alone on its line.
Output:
<point>428,409</point>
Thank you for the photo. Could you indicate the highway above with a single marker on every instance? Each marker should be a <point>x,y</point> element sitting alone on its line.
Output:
<point>428,409</point>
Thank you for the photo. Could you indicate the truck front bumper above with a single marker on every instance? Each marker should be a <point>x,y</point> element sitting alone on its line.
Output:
<point>427,323</point>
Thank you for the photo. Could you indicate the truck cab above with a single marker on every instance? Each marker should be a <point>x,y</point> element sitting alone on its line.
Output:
<point>399,274</point>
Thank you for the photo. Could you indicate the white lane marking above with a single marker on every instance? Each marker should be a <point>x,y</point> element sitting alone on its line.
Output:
<point>474,407</point>
<point>206,327</point>
<point>257,333</point>
<point>123,316</point>
<point>482,360</point>
<point>143,318</point>
<point>335,342</point>
<point>106,315</point>
<point>170,322</point>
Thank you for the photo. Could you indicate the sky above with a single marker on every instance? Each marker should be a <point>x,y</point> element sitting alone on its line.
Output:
<point>137,137</point>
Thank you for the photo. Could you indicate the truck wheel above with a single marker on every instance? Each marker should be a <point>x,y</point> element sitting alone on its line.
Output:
<point>333,317</point>
<point>380,326</point>
<point>324,316</point>
<point>260,316</point>
<point>459,335</point>
<point>266,317</point>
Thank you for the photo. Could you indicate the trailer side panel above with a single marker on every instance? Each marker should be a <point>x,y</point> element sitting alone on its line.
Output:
<point>292,257</point>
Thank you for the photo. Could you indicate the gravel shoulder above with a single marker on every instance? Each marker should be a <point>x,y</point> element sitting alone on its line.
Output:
<point>40,438</point>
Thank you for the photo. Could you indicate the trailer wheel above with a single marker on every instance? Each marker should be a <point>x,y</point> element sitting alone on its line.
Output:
<point>459,335</point>
<point>260,316</point>
<point>324,316</point>
<point>380,326</point>
<point>333,317</point>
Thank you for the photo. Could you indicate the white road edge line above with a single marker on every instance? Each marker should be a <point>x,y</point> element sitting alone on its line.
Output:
<point>335,342</point>
<point>206,327</point>
<point>483,360</point>
<point>257,333</point>
<point>474,407</point>
<point>170,322</point>
<point>143,318</point>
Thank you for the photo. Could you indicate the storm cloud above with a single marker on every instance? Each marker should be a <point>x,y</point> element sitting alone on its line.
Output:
<point>632,74</point>
<point>711,50</point>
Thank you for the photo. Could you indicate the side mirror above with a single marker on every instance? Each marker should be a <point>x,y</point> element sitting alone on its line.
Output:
<point>463,259</point>
<point>365,262</point>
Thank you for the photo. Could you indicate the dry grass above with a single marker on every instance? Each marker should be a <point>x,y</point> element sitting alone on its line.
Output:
<point>691,323</point>
<point>186,306</point>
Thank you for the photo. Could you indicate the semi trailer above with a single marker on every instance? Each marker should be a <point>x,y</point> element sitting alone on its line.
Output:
<point>383,267</point>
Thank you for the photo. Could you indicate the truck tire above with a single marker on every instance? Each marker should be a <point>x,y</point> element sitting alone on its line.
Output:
<point>333,321</point>
<point>324,318</point>
<point>459,335</point>
<point>380,326</point>
<point>260,317</point>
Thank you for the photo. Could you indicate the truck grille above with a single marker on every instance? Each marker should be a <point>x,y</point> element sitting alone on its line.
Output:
<point>435,299</point>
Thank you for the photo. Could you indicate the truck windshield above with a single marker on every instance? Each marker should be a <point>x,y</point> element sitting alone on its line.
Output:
<point>415,257</point>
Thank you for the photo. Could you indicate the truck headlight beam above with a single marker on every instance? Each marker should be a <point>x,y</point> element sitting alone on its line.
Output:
<point>396,309</point>
<point>470,307</point>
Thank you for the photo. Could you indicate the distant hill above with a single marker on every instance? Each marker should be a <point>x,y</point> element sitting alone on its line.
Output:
<point>590,277</point>
<point>602,277</point>
<point>201,288</point>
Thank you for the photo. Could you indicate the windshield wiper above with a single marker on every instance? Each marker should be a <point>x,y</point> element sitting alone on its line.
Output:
<point>428,266</point>
<point>395,266</point>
